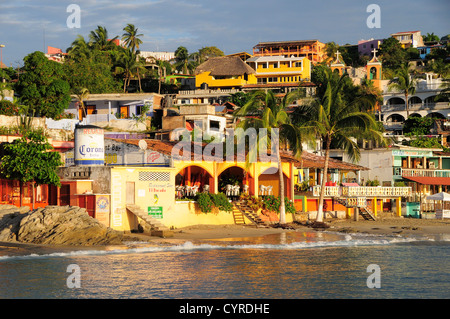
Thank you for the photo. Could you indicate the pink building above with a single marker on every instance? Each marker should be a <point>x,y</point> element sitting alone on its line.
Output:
<point>365,47</point>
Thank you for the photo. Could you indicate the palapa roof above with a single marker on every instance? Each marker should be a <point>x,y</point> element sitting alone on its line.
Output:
<point>224,66</point>
<point>307,159</point>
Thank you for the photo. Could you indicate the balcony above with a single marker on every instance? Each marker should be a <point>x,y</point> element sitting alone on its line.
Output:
<point>363,191</point>
<point>415,107</point>
<point>417,172</point>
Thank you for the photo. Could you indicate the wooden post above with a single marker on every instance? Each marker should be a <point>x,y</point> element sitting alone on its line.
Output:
<point>355,213</point>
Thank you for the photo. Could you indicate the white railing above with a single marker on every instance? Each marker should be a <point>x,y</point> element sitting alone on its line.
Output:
<point>414,172</point>
<point>376,191</point>
<point>329,191</point>
<point>363,191</point>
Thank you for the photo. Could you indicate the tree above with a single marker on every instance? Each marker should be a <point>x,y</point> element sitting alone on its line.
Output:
<point>392,54</point>
<point>336,117</point>
<point>430,37</point>
<point>131,37</point>
<point>82,94</point>
<point>182,61</point>
<point>128,65</point>
<point>42,86</point>
<point>266,111</point>
<point>404,83</point>
<point>99,39</point>
<point>30,159</point>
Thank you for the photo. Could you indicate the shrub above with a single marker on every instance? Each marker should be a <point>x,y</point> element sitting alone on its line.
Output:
<point>204,202</point>
<point>8,108</point>
<point>221,201</point>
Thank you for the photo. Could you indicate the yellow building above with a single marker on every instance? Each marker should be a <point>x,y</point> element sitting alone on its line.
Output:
<point>280,69</point>
<point>226,72</point>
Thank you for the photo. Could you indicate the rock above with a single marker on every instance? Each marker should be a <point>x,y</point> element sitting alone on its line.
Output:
<point>55,225</point>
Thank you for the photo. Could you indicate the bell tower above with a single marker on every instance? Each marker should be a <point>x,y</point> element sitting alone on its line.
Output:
<point>338,64</point>
<point>374,70</point>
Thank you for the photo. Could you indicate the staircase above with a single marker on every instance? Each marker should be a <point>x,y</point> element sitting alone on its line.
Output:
<point>155,226</point>
<point>240,209</point>
<point>364,211</point>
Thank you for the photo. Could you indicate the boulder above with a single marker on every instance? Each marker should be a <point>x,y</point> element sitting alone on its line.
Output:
<point>55,225</point>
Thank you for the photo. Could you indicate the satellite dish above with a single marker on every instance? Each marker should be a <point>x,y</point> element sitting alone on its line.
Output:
<point>142,144</point>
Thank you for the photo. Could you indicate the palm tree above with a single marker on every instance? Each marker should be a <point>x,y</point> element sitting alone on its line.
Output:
<point>82,94</point>
<point>99,39</point>
<point>182,61</point>
<point>265,110</point>
<point>404,83</point>
<point>336,118</point>
<point>79,48</point>
<point>131,38</point>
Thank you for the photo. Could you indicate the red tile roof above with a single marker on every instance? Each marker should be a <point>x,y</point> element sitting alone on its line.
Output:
<point>430,180</point>
<point>307,160</point>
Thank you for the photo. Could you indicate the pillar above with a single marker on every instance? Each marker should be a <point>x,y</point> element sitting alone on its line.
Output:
<point>349,212</point>
<point>375,206</point>
<point>399,206</point>
<point>305,204</point>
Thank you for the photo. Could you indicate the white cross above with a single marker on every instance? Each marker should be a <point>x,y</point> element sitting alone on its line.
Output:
<point>374,53</point>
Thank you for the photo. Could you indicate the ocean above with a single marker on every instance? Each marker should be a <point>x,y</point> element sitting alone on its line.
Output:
<point>289,265</point>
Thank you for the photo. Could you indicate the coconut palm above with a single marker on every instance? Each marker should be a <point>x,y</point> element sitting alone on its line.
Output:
<point>336,117</point>
<point>79,48</point>
<point>99,39</point>
<point>131,37</point>
<point>265,110</point>
<point>182,61</point>
<point>82,94</point>
<point>128,64</point>
<point>404,83</point>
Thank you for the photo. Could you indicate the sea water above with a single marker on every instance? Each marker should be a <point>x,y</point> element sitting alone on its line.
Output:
<point>290,265</point>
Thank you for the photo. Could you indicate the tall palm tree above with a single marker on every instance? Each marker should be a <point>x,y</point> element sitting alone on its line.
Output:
<point>131,37</point>
<point>182,61</point>
<point>99,39</point>
<point>79,48</point>
<point>336,118</point>
<point>265,110</point>
<point>404,83</point>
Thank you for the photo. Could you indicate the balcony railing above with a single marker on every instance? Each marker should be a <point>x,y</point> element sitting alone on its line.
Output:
<point>415,106</point>
<point>417,172</point>
<point>363,191</point>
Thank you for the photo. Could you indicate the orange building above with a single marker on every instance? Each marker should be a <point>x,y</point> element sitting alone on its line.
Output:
<point>312,49</point>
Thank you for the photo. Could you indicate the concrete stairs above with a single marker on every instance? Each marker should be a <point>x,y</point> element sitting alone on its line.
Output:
<point>244,210</point>
<point>155,227</point>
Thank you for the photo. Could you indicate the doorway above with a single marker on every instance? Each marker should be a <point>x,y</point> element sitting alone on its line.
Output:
<point>130,193</point>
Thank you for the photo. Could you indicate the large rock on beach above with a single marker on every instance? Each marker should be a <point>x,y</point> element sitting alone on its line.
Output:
<point>54,225</point>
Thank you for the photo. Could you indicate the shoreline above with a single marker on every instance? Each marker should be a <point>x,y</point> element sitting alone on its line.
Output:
<point>403,227</point>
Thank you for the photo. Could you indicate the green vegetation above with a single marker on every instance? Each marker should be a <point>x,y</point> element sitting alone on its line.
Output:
<point>207,201</point>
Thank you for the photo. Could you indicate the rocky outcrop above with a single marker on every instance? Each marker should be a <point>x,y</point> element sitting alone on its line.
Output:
<point>54,225</point>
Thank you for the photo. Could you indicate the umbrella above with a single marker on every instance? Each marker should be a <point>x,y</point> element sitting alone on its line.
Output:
<point>439,196</point>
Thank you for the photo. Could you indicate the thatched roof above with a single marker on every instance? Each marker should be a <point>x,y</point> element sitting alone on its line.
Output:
<point>224,66</point>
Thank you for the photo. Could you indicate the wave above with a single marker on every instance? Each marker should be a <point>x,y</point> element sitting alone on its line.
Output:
<point>188,246</point>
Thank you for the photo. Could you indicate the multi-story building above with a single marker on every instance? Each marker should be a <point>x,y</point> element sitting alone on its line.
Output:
<point>366,47</point>
<point>409,38</point>
<point>311,49</point>
<point>280,69</point>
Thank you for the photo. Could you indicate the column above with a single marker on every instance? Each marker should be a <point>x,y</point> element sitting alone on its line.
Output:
<point>399,206</point>
<point>304,204</point>
<point>375,206</point>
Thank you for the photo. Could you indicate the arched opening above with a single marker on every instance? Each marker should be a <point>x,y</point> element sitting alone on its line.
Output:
<point>191,180</point>
<point>436,115</point>
<point>373,73</point>
<point>415,115</point>
<point>269,181</point>
<point>235,180</point>
<point>415,100</point>
<point>395,118</point>
<point>395,101</point>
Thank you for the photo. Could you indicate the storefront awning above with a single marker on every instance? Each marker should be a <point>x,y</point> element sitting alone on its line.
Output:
<point>429,180</point>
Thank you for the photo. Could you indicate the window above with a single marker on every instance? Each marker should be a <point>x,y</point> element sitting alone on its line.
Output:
<point>298,64</point>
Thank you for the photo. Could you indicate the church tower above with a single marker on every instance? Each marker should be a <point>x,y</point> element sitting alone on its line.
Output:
<point>374,70</point>
<point>338,64</point>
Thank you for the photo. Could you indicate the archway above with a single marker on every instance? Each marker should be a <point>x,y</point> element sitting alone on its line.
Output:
<point>191,180</point>
<point>373,73</point>
<point>395,118</point>
<point>271,178</point>
<point>436,115</point>
<point>234,180</point>
<point>393,101</point>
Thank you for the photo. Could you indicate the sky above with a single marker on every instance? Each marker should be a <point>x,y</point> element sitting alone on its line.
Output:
<point>231,25</point>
